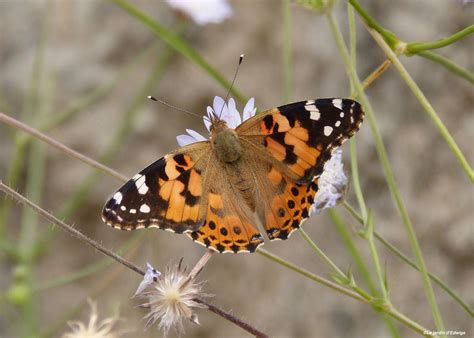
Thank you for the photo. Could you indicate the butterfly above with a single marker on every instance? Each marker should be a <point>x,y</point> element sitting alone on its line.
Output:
<point>264,171</point>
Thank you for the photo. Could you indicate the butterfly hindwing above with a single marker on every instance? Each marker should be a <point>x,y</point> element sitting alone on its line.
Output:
<point>166,194</point>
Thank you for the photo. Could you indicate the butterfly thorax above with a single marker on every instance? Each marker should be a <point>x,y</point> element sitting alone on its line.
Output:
<point>225,142</point>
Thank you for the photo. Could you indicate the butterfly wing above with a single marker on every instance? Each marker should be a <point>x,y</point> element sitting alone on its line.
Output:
<point>168,194</point>
<point>301,136</point>
<point>289,147</point>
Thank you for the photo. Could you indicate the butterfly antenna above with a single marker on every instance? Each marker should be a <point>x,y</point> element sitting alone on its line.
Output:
<point>232,84</point>
<point>174,107</point>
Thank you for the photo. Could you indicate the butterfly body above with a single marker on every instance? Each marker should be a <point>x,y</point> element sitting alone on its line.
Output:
<point>225,143</point>
<point>264,171</point>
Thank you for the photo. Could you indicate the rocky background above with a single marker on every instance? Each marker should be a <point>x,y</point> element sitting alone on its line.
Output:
<point>88,43</point>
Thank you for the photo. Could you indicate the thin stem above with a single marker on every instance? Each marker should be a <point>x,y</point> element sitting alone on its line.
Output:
<point>425,104</point>
<point>410,262</point>
<point>374,75</point>
<point>388,171</point>
<point>448,64</point>
<point>201,263</point>
<point>69,229</point>
<point>389,36</point>
<point>369,236</point>
<point>416,47</point>
<point>312,276</point>
<point>76,233</point>
<point>359,261</point>
<point>43,137</point>
<point>321,254</point>
<point>230,317</point>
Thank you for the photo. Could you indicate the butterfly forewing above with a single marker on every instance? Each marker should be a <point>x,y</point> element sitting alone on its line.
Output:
<point>303,135</point>
<point>167,194</point>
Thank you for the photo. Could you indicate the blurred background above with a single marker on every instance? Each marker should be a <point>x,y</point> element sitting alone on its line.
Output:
<point>81,71</point>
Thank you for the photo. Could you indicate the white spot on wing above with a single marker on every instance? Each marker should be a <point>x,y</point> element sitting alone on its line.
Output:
<point>337,103</point>
<point>136,177</point>
<point>327,130</point>
<point>118,197</point>
<point>314,111</point>
<point>133,211</point>
<point>315,115</point>
<point>123,208</point>
<point>338,123</point>
<point>141,185</point>
<point>310,102</point>
<point>341,114</point>
<point>145,208</point>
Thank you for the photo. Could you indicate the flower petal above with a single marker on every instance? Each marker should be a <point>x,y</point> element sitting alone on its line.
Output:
<point>203,11</point>
<point>207,122</point>
<point>220,108</point>
<point>249,109</point>
<point>198,137</point>
<point>233,116</point>
<point>184,140</point>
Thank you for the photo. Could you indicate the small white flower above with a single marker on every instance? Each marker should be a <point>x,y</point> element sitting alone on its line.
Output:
<point>171,299</point>
<point>94,328</point>
<point>227,112</point>
<point>332,184</point>
<point>203,11</point>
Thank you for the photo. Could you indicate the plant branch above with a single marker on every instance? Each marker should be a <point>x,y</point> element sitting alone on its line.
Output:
<point>448,64</point>
<point>232,318</point>
<point>425,104</point>
<point>416,47</point>
<point>43,137</point>
<point>410,262</point>
<point>79,235</point>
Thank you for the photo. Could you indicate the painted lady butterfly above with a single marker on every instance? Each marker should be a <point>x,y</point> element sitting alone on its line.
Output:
<point>267,168</point>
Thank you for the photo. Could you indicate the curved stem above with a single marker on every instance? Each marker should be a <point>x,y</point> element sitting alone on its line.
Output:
<point>416,47</point>
<point>425,104</point>
<point>448,64</point>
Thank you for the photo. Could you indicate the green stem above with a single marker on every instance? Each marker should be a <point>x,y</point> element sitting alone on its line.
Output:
<point>388,172</point>
<point>407,260</point>
<point>448,64</point>
<point>390,310</point>
<point>416,47</point>
<point>321,254</point>
<point>361,266</point>
<point>179,45</point>
<point>286,49</point>
<point>312,276</point>
<point>369,236</point>
<point>389,36</point>
<point>425,104</point>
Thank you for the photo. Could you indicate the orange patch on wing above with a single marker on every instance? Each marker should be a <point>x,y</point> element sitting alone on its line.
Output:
<point>276,149</point>
<point>176,203</point>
